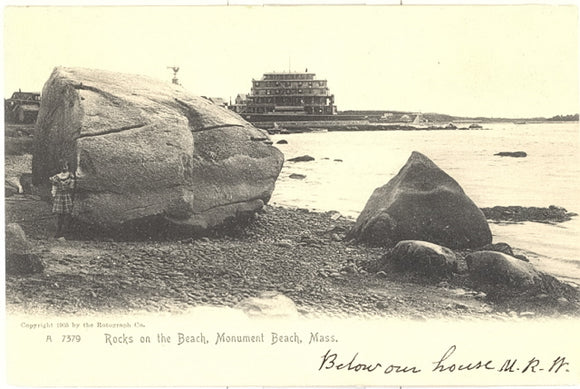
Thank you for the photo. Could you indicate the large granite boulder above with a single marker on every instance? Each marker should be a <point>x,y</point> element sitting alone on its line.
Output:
<point>421,202</point>
<point>142,147</point>
<point>492,267</point>
<point>20,258</point>
<point>423,258</point>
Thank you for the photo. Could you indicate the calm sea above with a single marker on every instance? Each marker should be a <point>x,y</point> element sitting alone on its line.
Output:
<point>348,166</point>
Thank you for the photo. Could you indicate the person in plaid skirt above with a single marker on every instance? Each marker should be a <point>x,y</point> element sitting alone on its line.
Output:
<point>62,203</point>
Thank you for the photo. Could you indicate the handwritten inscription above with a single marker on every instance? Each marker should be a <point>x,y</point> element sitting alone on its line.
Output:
<point>331,360</point>
<point>447,363</point>
<point>443,365</point>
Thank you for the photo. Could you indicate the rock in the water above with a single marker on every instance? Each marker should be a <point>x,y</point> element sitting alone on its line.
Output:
<point>269,304</point>
<point>282,142</point>
<point>537,214</point>
<point>423,258</point>
<point>514,154</point>
<point>421,202</point>
<point>297,176</point>
<point>142,148</point>
<point>302,158</point>
<point>492,267</point>
<point>19,256</point>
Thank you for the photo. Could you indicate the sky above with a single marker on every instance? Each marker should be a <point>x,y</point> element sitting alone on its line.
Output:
<point>494,61</point>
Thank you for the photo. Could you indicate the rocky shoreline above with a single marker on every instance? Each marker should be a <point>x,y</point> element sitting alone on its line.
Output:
<point>295,252</point>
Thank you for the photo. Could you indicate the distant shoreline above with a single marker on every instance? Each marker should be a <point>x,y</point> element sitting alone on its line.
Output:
<point>302,126</point>
<point>393,118</point>
<point>290,127</point>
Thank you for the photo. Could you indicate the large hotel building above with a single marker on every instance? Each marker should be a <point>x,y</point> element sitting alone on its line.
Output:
<point>287,93</point>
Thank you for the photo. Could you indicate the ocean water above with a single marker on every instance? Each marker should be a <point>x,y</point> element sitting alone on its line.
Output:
<point>348,166</point>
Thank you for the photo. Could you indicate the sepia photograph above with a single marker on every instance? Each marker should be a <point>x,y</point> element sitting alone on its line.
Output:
<point>278,195</point>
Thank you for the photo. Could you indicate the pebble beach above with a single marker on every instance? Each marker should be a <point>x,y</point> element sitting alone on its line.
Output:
<point>295,252</point>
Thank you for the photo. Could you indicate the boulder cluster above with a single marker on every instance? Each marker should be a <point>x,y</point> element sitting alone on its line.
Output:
<point>430,225</point>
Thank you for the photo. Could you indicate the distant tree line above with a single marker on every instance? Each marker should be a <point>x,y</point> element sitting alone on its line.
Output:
<point>564,118</point>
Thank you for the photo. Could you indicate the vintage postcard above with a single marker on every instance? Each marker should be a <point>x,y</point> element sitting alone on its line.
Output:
<point>296,196</point>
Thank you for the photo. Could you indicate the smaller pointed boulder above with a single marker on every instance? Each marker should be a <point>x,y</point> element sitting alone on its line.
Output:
<point>421,202</point>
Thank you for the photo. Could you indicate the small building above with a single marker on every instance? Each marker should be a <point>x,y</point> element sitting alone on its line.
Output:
<point>240,103</point>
